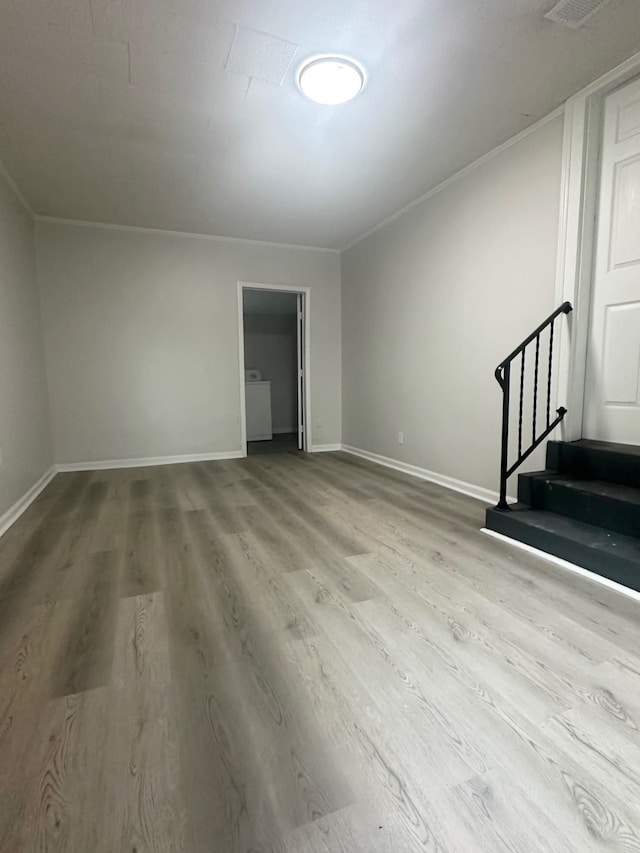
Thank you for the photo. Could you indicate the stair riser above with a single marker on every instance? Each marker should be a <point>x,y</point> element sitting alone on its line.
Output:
<point>525,489</point>
<point>602,511</point>
<point>593,464</point>
<point>610,566</point>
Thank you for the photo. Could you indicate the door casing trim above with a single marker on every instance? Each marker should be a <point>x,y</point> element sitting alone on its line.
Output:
<point>287,288</point>
<point>577,232</point>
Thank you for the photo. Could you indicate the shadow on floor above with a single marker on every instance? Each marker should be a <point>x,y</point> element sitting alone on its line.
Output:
<point>286,442</point>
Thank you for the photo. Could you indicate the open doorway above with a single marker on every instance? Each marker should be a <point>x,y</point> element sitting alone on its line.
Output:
<point>274,395</point>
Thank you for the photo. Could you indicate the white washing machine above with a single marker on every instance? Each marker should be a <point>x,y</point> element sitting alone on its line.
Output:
<point>257,394</point>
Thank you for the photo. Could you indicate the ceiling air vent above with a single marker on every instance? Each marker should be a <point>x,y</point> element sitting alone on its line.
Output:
<point>573,13</point>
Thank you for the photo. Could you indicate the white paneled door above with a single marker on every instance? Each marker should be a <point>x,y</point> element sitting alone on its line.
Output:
<point>612,398</point>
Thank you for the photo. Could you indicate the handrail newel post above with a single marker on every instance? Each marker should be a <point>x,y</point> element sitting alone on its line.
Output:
<point>505,382</point>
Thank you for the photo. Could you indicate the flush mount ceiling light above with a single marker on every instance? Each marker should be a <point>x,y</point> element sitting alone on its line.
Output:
<point>331,80</point>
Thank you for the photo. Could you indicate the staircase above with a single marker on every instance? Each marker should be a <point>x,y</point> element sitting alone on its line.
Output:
<point>584,508</point>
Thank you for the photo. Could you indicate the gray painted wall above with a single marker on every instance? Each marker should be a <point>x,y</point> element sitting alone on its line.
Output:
<point>25,436</point>
<point>141,334</point>
<point>436,299</point>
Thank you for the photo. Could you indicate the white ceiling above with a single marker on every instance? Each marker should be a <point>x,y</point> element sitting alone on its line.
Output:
<point>184,114</point>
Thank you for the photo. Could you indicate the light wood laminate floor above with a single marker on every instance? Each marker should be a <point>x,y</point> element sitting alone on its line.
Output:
<point>304,654</point>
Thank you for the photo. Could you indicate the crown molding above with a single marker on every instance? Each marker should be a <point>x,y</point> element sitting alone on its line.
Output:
<point>83,223</point>
<point>458,176</point>
<point>611,78</point>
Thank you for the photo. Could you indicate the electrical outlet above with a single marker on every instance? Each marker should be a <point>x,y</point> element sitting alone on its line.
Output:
<point>400,438</point>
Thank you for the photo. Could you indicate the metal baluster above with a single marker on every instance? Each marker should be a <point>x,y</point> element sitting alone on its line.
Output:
<point>549,374</point>
<point>521,405</point>
<point>535,387</point>
<point>504,378</point>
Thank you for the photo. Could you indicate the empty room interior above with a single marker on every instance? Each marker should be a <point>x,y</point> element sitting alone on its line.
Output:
<point>320,426</point>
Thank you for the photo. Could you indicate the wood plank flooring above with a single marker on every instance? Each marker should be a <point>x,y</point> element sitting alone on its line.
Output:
<point>304,654</point>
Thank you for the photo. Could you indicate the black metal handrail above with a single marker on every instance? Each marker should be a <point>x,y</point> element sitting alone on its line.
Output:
<point>503,375</point>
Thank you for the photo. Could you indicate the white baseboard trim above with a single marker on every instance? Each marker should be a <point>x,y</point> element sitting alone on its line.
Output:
<point>563,564</point>
<point>325,448</point>
<point>148,461</point>
<point>23,504</point>
<point>473,491</point>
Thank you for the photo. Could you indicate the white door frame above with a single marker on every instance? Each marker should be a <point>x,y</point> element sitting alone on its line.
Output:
<point>286,288</point>
<point>576,239</point>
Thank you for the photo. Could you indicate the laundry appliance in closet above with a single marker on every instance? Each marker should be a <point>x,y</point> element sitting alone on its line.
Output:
<point>257,394</point>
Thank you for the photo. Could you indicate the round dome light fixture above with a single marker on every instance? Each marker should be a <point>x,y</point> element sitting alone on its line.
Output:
<point>331,80</point>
